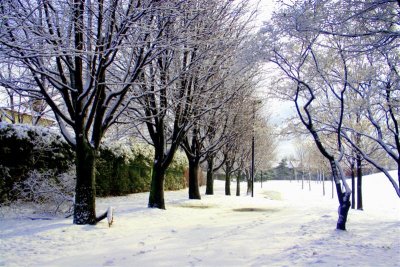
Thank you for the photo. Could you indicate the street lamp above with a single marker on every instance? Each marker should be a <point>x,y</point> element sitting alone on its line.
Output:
<point>252,159</point>
<point>252,147</point>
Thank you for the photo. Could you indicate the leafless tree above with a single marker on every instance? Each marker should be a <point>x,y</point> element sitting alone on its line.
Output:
<point>322,47</point>
<point>74,51</point>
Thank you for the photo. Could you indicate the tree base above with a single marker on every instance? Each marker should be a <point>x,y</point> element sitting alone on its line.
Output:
<point>343,211</point>
<point>156,206</point>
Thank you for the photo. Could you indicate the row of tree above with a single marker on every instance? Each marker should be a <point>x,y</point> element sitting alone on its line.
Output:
<point>339,63</point>
<point>173,72</point>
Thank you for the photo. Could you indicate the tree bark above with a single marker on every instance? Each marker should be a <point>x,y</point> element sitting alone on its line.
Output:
<point>343,211</point>
<point>353,186</point>
<point>156,197</point>
<point>249,184</point>
<point>85,191</point>
<point>227,183</point>
<point>359,182</point>
<point>238,184</point>
<point>194,166</point>
<point>210,178</point>
<point>343,197</point>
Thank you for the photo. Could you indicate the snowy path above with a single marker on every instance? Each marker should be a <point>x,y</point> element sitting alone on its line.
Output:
<point>294,228</point>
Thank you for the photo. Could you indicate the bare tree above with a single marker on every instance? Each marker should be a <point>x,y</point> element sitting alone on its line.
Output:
<point>304,66</point>
<point>331,38</point>
<point>73,51</point>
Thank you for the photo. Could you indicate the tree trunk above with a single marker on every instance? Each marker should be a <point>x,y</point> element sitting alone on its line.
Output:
<point>238,184</point>
<point>398,168</point>
<point>359,182</point>
<point>343,197</point>
<point>249,184</point>
<point>353,186</point>
<point>156,197</point>
<point>227,183</point>
<point>194,166</point>
<point>85,191</point>
<point>344,208</point>
<point>210,178</point>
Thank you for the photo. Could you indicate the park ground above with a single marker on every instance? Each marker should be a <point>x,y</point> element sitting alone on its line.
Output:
<point>283,225</point>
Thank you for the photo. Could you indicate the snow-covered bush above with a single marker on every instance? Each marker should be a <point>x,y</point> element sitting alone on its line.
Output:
<point>174,179</point>
<point>47,192</point>
<point>120,150</point>
<point>34,160</point>
<point>5,178</point>
<point>124,168</point>
<point>24,148</point>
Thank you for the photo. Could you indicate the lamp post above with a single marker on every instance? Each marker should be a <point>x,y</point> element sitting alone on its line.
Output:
<point>252,149</point>
<point>252,163</point>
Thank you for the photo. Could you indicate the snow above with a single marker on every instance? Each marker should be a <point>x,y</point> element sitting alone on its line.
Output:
<point>282,225</point>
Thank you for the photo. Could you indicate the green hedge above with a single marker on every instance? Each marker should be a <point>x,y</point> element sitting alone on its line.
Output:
<point>120,169</point>
<point>25,148</point>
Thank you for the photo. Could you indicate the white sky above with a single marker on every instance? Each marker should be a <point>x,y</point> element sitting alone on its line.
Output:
<point>280,110</point>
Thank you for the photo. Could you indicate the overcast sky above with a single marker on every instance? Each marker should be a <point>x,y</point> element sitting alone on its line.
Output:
<point>280,110</point>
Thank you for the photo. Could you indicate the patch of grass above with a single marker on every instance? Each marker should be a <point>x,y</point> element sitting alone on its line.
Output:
<point>196,206</point>
<point>255,210</point>
<point>272,195</point>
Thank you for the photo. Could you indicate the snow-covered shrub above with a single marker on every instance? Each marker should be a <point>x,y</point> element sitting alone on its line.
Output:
<point>4,181</point>
<point>174,178</point>
<point>47,192</point>
<point>111,172</point>
<point>120,150</point>
<point>124,168</point>
<point>24,148</point>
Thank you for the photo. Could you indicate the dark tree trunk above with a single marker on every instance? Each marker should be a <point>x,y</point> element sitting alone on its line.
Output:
<point>353,186</point>
<point>343,197</point>
<point>238,184</point>
<point>398,168</point>
<point>194,167</point>
<point>85,191</point>
<point>344,208</point>
<point>227,183</point>
<point>359,182</point>
<point>156,197</point>
<point>249,184</point>
<point>210,178</point>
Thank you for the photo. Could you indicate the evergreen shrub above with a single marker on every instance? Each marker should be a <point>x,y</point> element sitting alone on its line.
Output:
<point>123,169</point>
<point>120,168</point>
<point>24,148</point>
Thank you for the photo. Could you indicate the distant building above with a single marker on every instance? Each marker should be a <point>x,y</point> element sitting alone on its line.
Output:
<point>13,116</point>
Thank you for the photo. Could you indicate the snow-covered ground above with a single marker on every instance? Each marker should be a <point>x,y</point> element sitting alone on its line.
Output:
<point>282,225</point>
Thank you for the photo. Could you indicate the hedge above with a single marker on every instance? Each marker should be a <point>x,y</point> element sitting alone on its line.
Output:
<point>24,148</point>
<point>121,171</point>
<point>122,168</point>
